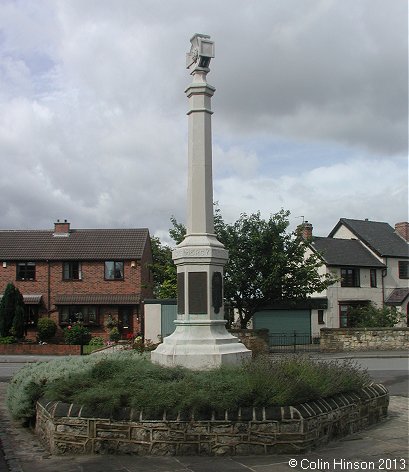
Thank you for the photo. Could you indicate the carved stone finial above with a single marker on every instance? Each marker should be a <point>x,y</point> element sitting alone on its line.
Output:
<point>200,54</point>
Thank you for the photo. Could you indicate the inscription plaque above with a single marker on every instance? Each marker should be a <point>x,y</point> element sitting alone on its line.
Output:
<point>198,293</point>
<point>181,293</point>
<point>217,291</point>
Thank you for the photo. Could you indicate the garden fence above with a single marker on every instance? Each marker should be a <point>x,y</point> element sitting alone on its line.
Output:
<point>293,342</point>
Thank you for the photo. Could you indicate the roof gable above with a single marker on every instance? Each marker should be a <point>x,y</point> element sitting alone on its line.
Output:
<point>345,252</point>
<point>380,237</point>
<point>80,244</point>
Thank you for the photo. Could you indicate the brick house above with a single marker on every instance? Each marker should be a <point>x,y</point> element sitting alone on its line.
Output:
<point>87,275</point>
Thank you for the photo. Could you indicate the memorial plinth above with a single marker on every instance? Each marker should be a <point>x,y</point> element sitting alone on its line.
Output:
<point>200,340</point>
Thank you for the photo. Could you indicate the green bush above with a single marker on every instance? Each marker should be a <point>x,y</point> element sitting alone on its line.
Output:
<point>28,384</point>
<point>12,312</point>
<point>370,316</point>
<point>46,329</point>
<point>8,340</point>
<point>77,334</point>
<point>126,379</point>
<point>114,335</point>
<point>96,341</point>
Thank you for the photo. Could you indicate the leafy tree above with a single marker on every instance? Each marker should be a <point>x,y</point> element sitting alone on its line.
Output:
<point>12,312</point>
<point>163,270</point>
<point>266,263</point>
<point>370,316</point>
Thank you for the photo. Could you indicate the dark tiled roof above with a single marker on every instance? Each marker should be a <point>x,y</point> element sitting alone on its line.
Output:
<point>378,236</point>
<point>96,299</point>
<point>397,296</point>
<point>81,244</point>
<point>345,252</point>
<point>30,298</point>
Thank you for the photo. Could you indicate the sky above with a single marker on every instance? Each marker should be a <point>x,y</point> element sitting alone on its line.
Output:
<point>310,110</point>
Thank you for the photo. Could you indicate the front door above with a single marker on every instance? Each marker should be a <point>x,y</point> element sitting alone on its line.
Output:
<point>125,322</point>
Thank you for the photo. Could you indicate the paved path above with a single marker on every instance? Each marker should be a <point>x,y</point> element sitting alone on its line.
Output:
<point>387,441</point>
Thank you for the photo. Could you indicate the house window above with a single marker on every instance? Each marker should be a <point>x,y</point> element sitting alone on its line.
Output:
<point>372,275</point>
<point>114,270</point>
<point>321,317</point>
<point>349,277</point>
<point>86,314</point>
<point>72,270</point>
<point>26,271</point>
<point>403,269</point>
<point>30,315</point>
<point>346,317</point>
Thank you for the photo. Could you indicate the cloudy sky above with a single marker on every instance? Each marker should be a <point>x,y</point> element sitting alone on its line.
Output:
<point>310,110</point>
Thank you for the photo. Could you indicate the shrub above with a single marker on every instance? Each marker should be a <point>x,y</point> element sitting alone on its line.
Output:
<point>96,341</point>
<point>77,334</point>
<point>46,329</point>
<point>28,384</point>
<point>8,340</point>
<point>114,335</point>
<point>371,316</point>
<point>12,312</point>
<point>126,380</point>
<point>143,346</point>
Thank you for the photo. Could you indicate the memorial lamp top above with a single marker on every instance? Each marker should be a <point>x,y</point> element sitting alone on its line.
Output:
<point>200,54</point>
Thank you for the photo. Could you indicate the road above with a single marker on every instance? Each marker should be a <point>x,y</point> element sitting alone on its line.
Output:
<point>391,370</point>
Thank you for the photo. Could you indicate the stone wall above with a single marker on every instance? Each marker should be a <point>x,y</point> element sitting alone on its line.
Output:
<point>254,339</point>
<point>364,339</point>
<point>69,429</point>
<point>40,349</point>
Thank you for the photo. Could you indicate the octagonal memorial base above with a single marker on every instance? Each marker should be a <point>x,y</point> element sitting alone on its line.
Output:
<point>200,345</point>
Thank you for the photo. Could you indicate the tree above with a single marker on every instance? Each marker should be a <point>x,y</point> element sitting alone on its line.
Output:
<point>163,270</point>
<point>12,312</point>
<point>266,263</point>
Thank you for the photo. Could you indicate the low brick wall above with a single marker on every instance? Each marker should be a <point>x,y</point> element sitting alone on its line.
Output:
<point>364,339</point>
<point>69,429</point>
<point>40,349</point>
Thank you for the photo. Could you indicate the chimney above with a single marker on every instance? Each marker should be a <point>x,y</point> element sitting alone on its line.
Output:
<point>305,230</point>
<point>403,230</point>
<point>61,228</point>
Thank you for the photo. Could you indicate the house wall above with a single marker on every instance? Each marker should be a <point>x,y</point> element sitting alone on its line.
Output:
<point>49,282</point>
<point>152,324</point>
<point>337,294</point>
<point>391,280</point>
<point>344,233</point>
<point>92,280</point>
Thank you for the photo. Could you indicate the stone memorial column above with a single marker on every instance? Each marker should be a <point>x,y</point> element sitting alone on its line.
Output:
<point>200,340</point>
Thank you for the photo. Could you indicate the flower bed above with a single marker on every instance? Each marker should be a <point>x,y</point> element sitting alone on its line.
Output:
<point>70,429</point>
